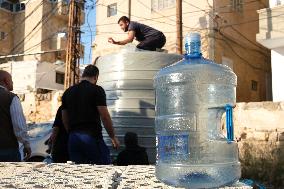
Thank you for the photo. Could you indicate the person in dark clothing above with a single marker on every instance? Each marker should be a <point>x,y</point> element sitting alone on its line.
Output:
<point>83,108</point>
<point>59,140</point>
<point>133,153</point>
<point>149,38</point>
<point>13,128</point>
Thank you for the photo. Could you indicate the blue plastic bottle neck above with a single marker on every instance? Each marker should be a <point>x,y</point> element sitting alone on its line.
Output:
<point>193,49</point>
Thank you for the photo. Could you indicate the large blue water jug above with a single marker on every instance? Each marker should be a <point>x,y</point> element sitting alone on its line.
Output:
<point>191,97</point>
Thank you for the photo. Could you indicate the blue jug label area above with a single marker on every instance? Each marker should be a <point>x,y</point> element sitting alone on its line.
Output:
<point>172,146</point>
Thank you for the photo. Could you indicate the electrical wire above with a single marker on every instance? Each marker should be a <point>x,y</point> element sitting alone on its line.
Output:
<point>250,41</point>
<point>24,19</point>
<point>90,29</point>
<point>240,57</point>
<point>219,30</point>
<point>43,20</point>
<point>203,10</point>
<point>12,17</point>
<point>39,43</point>
<point>166,16</point>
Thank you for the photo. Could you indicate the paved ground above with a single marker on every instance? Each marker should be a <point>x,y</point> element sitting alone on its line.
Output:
<point>40,175</point>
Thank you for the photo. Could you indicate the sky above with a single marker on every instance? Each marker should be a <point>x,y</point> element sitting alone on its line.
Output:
<point>88,34</point>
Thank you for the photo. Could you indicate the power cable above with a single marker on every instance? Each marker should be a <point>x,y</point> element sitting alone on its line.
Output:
<point>232,40</point>
<point>12,17</point>
<point>153,19</point>
<point>90,29</point>
<point>239,56</point>
<point>43,20</point>
<point>31,48</point>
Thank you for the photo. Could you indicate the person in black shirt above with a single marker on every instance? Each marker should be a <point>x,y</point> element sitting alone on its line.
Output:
<point>133,153</point>
<point>59,140</point>
<point>83,109</point>
<point>149,38</point>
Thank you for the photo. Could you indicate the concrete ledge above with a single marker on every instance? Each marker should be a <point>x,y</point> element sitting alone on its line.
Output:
<point>41,175</point>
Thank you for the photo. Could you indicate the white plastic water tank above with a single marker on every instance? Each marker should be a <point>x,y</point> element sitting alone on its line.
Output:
<point>127,77</point>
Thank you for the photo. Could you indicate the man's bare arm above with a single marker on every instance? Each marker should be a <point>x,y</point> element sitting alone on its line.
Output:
<point>129,39</point>
<point>106,119</point>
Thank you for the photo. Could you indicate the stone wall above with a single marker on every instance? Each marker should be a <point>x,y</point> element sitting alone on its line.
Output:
<point>41,107</point>
<point>259,129</point>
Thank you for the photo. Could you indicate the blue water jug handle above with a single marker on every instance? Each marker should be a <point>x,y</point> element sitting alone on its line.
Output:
<point>229,122</point>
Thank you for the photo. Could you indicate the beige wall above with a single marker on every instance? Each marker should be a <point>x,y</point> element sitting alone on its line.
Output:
<point>57,23</point>
<point>6,23</point>
<point>19,33</point>
<point>46,76</point>
<point>6,67</point>
<point>28,76</point>
<point>33,26</point>
<point>24,76</point>
<point>236,40</point>
<point>12,24</point>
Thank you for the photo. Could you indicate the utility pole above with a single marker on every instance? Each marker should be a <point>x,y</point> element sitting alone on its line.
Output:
<point>72,71</point>
<point>179,26</point>
<point>129,9</point>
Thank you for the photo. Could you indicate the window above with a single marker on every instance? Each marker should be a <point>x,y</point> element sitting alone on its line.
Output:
<point>112,10</point>
<point>59,78</point>
<point>2,35</point>
<point>19,7</point>
<point>7,5</point>
<point>253,85</point>
<point>13,7</point>
<point>237,5</point>
<point>162,4</point>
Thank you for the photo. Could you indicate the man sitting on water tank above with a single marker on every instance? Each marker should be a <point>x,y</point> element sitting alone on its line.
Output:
<point>133,153</point>
<point>149,38</point>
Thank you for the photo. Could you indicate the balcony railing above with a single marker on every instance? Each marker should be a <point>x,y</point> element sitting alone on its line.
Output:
<point>271,27</point>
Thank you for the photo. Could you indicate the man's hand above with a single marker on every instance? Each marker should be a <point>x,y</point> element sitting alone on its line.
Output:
<point>53,135</point>
<point>105,117</point>
<point>115,143</point>
<point>27,152</point>
<point>111,40</point>
<point>52,139</point>
<point>129,39</point>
